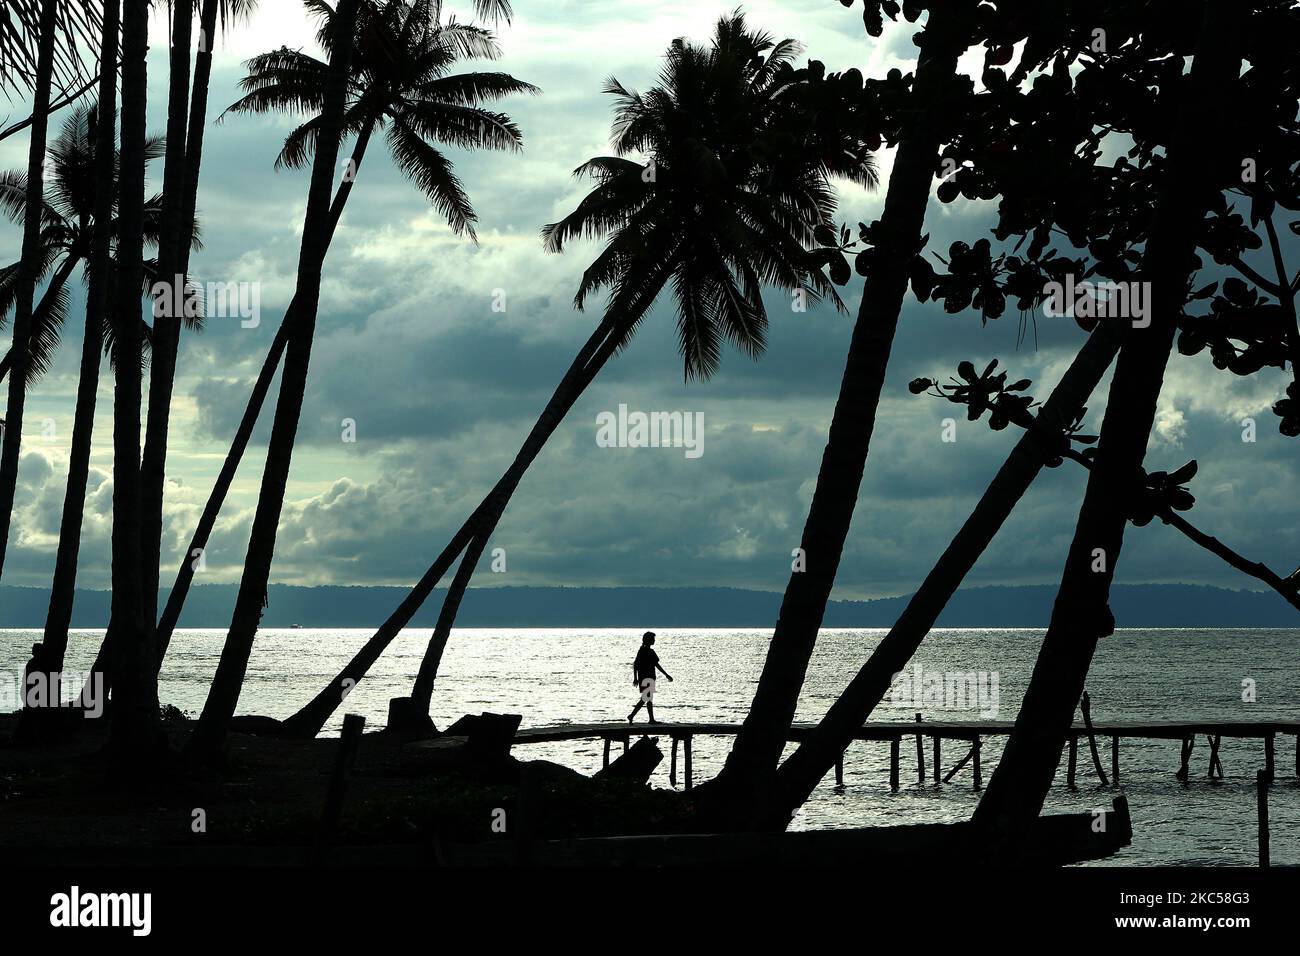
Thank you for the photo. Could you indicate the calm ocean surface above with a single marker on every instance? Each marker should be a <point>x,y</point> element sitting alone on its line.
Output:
<point>579,676</point>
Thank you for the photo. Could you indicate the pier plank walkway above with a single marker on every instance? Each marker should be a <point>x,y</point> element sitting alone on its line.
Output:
<point>936,731</point>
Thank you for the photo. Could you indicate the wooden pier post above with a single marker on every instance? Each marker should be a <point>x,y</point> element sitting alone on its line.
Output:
<point>893,763</point>
<point>1268,757</point>
<point>978,778</point>
<point>1189,743</point>
<point>349,741</point>
<point>1215,764</point>
<point>625,738</point>
<point>690,781</point>
<point>1114,759</point>
<point>1073,764</point>
<point>920,756</point>
<point>936,759</point>
<point>672,766</point>
<point>608,739</point>
<point>1261,792</point>
<point>839,770</point>
<point>1086,707</point>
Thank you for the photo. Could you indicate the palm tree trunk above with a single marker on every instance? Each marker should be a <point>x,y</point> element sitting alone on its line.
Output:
<point>33,206</point>
<point>197,122</point>
<point>802,770</point>
<point>598,349</point>
<point>243,435</point>
<point>422,691</point>
<point>1081,616</point>
<point>762,737</point>
<point>194,135</point>
<point>135,731</point>
<point>223,696</point>
<point>63,589</point>
<point>166,328</point>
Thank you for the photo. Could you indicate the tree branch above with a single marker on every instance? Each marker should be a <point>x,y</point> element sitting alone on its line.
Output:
<point>1255,569</point>
<point>54,107</point>
<point>1287,301</point>
<point>1271,288</point>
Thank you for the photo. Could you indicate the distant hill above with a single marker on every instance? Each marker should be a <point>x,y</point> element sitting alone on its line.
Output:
<point>1137,605</point>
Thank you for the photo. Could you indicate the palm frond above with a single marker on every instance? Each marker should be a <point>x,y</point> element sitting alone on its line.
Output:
<point>697,319</point>
<point>473,89</point>
<point>736,188</point>
<point>77,28</point>
<point>300,145</point>
<point>467,127</point>
<point>432,174</point>
<point>48,319</point>
<point>401,81</point>
<point>282,80</point>
<point>620,194</point>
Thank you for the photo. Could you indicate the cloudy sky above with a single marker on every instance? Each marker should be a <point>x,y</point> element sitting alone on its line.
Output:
<point>443,389</point>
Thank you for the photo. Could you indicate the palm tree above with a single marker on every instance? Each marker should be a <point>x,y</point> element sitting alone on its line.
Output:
<point>398,81</point>
<point>180,180</point>
<point>73,210</point>
<point>99,270</point>
<point>803,770</point>
<point>1081,616</point>
<point>166,326</point>
<point>401,82</point>
<point>733,99</point>
<point>135,729</point>
<point>762,737</point>
<point>338,36</point>
<point>212,12</point>
<point>27,270</point>
<point>724,204</point>
<point>67,234</point>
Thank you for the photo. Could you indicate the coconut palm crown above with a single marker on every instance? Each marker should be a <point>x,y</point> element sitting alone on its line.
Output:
<point>401,81</point>
<point>732,195</point>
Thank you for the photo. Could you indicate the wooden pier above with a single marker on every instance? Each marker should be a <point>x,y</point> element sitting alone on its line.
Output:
<point>937,731</point>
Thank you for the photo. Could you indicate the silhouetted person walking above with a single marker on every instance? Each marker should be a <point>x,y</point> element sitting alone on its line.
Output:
<point>643,676</point>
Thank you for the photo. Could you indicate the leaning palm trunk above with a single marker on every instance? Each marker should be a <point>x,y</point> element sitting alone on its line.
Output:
<point>261,387</point>
<point>309,720</point>
<point>610,336</point>
<point>762,737</point>
<point>33,204</point>
<point>800,773</point>
<point>135,687</point>
<point>174,236</point>
<point>63,589</point>
<point>1081,616</point>
<point>223,696</point>
<point>597,351</point>
<point>422,691</point>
